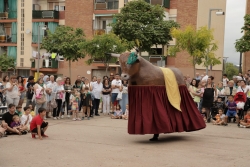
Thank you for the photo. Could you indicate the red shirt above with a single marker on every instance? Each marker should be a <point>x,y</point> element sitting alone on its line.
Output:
<point>37,120</point>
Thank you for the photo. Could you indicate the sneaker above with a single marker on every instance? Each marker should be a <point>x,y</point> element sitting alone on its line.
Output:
<point>79,119</point>
<point>58,118</point>
<point>82,118</point>
<point>74,119</point>
<point>242,126</point>
<point>54,118</point>
<point>68,116</point>
<point>62,116</point>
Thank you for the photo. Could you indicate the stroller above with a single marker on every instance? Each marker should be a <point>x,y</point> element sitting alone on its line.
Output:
<point>242,103</point>
<point>3,107</point>
<point>216,106</point>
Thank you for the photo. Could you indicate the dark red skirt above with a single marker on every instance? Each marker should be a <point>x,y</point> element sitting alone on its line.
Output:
<point>150,112</point>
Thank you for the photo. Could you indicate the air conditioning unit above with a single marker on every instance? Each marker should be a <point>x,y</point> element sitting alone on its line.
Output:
<point>157,2</point>
<point>101,6</point>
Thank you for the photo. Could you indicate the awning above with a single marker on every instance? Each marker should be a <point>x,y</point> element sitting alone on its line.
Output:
<point>99,15</point>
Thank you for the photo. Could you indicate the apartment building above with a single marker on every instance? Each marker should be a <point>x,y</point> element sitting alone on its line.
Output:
<point>21,20</point>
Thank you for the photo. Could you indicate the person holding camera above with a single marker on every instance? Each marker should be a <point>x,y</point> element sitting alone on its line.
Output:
<point>12,92</point>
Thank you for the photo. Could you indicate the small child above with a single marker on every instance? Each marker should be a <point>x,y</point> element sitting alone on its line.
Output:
<point>19,110</point>
<point>74,100</point>
<point>86,101</point>
<point>38,126</point>
<point>16,124</point>
<point>26,118</point>
<point>246,122</point>
<point>232,109</point>
<point>32,112</point>
<point>118,113</point>
<point>203,113</point>
<point>219,118</point>
<point>219,103</point>
<point>125,115</point>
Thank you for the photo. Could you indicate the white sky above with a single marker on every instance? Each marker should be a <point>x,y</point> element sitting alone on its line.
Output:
<point>234,21</point>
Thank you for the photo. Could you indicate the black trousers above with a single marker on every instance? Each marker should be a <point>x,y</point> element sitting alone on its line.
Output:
<point>96,105</point>
<point>44,125</point>
<point>57,110</point>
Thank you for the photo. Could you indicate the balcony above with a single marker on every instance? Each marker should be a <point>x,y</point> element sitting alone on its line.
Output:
<point>8,11</point>
<point>106,4</point>
<point>45,16</point>
<point>8,34</point>
<point>99,32</point>
<point>49,65</point>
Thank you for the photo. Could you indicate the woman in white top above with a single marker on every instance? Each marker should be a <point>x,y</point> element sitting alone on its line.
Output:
<point>220,90</point>
<point>59,92</point>
<point>124,101</point>
<point>40,95</point>
<point>12,92</point>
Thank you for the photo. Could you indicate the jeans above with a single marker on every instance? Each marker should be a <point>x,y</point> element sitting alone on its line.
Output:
<point>123,102</point>
<point>14,101</point>
<point>96,105</point>
<point>106,103</point>
<point>43,105</point>
<point>57,110</point>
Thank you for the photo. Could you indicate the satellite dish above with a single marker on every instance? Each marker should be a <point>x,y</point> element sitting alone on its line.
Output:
<point>28,31</point>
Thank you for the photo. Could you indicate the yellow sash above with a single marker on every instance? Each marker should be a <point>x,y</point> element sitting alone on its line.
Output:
<point>172,88</point>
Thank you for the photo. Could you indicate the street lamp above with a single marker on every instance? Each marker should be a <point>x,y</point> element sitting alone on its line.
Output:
<point>38,38</point>
<point>218,13</point>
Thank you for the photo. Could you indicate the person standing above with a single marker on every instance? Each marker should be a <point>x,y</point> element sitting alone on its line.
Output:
<point>96,91</point>
<point>22,90</point>
<point>124,101</point>
<point>115,85</point>
<point>58,90</point>
<point>40,96</point>
<point>68,88</point>
<point>12,93</point>
<point>30,91</point>
<point>106,96</point>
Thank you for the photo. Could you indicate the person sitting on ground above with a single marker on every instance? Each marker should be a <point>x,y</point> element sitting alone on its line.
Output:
<point>118,113</point>
<point>86,101</point>
<point>74,100</point>
<point>7,120</point>
<point>219,117</point>
<point>38,126</point>
<point>26,118</point>
<point>204,113</point>
<point>16,125</point>
<point>125,115</point>
<point>2,132</point>
<point>32,112</point>
<point>246,122</point>
<point>19,111</point>
<point>232,109</point>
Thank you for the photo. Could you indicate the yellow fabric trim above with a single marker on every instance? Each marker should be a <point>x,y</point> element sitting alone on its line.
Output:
<point>172,88</point>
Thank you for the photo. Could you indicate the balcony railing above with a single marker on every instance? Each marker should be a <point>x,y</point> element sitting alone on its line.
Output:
<point>99,32</point>
<point>106,4</point>
<point>45,14</point>
<point>52,63</point>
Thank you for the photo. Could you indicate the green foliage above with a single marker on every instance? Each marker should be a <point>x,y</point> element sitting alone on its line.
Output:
<point>231,70</point>
<point>101,44</point>
<point>6,63</point>
<point>65,41</point>
<point>198,43</point>
<point>243,44</point>
<point>143,24</point>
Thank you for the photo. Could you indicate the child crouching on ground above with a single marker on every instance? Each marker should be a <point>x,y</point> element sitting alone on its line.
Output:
<point>117,114</point>
<point>74,100</point>
<point>246,122</point>
<point>125,115</point>
<point>232,109</point>
<point>220,118</point>
<point>26,118</point>
<point>38,126</point>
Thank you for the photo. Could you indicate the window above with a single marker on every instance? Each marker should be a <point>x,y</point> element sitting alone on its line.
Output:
<point>22,19</point>
<point>21,62</point>
<point>103,25</point>
<point>100,1</point>
<point>56,8</point>
<point>22,3</point>
<point>62,8</point>
<point>113,4</point>
<point>22,44</point>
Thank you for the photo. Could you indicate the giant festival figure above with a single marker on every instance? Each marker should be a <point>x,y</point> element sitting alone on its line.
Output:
<point>159,101</point>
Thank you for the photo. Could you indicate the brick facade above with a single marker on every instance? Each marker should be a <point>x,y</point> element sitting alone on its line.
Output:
<point>186,15</point>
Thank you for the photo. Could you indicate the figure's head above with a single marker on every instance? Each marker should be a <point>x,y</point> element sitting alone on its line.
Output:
<point>224,75</point>
<point>220,84</point>
<point>118,107</point>
<point>219,99</point>
<point>128,70</point>
<point>127,107</point>
<point>16,118</point>
<point>12,107</point>
<point>31,107</point>
<point>203,110</point>
<point>242,83</point>
<point>42,112</point>
<point>220,111</point>
<point>19,108</point>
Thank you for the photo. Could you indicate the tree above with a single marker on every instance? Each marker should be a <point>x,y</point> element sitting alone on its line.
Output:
<point>6,63</point>
<point>101,44</point>
<point>198,43</point>
<point>65,41</point>
<point>243,44</point>
<point>143,24</point>
<point>231,70</point>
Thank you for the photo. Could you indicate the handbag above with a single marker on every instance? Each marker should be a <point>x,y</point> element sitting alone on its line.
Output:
<point>119,96</point>
<point>41,99</point>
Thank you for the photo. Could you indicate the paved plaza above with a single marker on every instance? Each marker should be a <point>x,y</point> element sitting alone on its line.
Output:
<point>102,142</point>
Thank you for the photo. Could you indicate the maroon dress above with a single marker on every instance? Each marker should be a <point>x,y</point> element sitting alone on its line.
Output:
<point>150,111</point>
